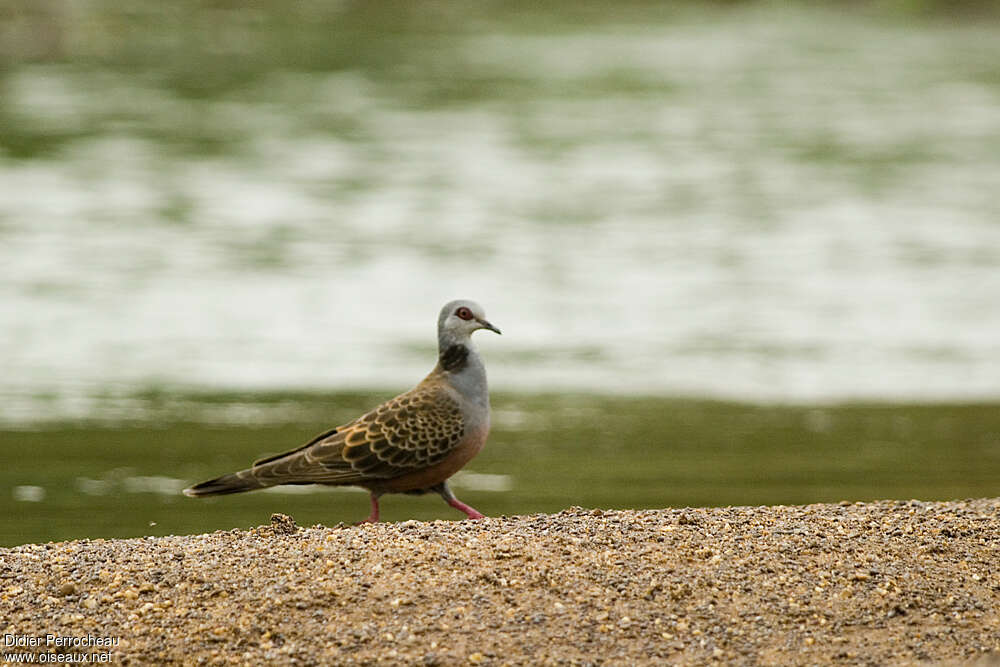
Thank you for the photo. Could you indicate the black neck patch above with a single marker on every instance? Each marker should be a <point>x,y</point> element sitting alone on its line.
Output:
<point>454,358</point>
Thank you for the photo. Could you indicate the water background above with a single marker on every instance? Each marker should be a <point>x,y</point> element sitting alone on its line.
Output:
<point>758,203</point>
<point>703,229</point>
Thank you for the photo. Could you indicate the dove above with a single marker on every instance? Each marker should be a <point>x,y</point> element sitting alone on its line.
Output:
<point>412,443</point>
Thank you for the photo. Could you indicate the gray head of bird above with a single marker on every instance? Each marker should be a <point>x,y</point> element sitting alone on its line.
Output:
<point>459,318</point>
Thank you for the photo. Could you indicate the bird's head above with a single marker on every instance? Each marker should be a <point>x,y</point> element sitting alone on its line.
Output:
<point>458,319</point>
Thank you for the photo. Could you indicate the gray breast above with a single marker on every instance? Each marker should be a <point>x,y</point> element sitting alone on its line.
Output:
<point>466,374</point>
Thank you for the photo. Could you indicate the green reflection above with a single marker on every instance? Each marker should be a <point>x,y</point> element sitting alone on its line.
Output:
<point>105,480</point>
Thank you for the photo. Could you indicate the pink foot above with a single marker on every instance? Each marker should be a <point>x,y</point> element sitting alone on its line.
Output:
<point>470,512</point>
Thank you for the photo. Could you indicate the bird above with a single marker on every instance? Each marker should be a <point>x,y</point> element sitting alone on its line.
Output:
<point>410,444</point>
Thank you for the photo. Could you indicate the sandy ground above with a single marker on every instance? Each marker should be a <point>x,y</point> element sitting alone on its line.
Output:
<point>874,583</point>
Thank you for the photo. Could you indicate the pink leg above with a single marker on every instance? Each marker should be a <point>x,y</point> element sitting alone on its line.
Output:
<point>450,498</point>
<point>373,517</point>
<point>471,512</point>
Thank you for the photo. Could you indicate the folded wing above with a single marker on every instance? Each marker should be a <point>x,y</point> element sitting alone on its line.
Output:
<point>410,432</point>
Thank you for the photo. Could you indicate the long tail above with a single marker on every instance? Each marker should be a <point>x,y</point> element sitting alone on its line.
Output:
<point>236,482</point>
<point>291,467</point>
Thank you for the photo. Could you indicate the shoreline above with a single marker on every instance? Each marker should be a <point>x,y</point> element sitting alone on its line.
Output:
<point>121,480</point>
<point>892,582</point>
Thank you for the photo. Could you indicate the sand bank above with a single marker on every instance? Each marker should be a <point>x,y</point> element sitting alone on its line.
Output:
<point>872,583</point>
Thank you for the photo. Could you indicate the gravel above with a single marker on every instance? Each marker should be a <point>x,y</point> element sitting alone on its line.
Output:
<point>863,583</point>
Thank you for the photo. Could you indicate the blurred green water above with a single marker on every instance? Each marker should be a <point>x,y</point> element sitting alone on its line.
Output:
<point>742,200</point>
<point>162,71</point>
<point>730,127</point>
<point>552,451</point>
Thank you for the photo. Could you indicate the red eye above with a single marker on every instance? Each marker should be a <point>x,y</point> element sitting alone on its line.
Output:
<point>464,313</point>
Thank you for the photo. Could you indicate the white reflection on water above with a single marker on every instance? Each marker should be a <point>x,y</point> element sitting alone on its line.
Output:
<point>768,209</point>
<point>29,494</point>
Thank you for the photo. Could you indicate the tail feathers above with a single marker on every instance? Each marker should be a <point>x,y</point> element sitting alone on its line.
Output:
<point>236,482</point>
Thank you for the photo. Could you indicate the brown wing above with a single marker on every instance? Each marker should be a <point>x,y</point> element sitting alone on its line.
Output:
<point>410,432</point>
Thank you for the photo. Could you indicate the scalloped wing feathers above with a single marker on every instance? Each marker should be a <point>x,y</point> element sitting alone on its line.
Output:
<point>415,430</point>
